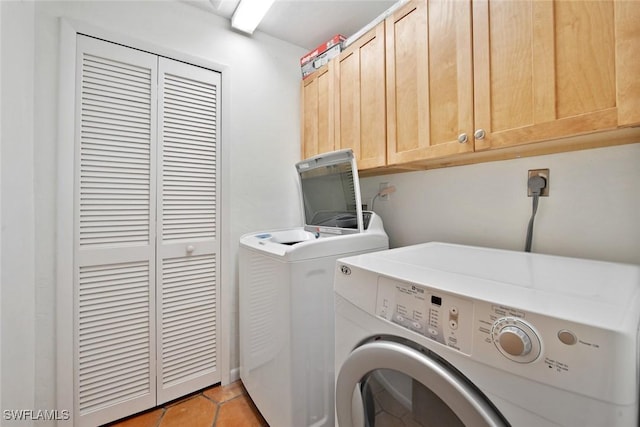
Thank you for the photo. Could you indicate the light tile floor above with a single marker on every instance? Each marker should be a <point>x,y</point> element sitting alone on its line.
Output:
<point>218,406</point>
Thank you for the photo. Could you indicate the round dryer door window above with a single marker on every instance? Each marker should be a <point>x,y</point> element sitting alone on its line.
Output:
<point>388,383</point>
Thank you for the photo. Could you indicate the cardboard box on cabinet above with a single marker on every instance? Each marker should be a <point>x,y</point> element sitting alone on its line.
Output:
<point>321,55</point>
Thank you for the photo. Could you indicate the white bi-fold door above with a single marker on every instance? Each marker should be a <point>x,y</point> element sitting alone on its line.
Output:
<point>146,245</point>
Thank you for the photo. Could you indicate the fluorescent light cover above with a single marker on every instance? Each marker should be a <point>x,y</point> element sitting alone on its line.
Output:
<point>249,13</point>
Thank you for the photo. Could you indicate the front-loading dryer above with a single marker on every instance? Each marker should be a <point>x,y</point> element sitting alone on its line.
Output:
<point>449,335</point>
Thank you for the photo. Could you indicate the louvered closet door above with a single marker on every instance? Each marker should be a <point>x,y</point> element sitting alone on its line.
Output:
<point>188,245</point>
<point>114,249</point>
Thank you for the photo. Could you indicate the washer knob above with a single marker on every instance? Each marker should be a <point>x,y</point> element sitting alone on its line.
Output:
<point>514,341</point>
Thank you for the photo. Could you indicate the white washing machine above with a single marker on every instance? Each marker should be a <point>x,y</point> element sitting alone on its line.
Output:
<point>448,335</point>
<point>286,294</point>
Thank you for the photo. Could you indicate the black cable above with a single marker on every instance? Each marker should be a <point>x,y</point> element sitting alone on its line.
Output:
<point>535,184</point>
<point>527,246</point>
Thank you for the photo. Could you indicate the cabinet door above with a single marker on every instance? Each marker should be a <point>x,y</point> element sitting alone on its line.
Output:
<point>146,245</point>
<point>543,69</point>
<point>317,112</point>
<point>360,99</point>
<point>114,237</point>
<point>429,80</point>
<point>187,229</point>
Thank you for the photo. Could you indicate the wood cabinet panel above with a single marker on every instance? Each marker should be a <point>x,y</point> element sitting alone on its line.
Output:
<point>585,57</point>
<point>543,70</point>
<point>429,80</point>
<point>318,113</point>
<point>628,61</point>
<point>360,99</point>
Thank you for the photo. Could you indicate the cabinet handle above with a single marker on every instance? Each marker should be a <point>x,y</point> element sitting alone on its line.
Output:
<point>479,134</point>
<point>463,138</point>
<point>190,249</point>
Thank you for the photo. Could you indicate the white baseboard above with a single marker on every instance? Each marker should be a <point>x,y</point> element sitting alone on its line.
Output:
<point>234,375</point>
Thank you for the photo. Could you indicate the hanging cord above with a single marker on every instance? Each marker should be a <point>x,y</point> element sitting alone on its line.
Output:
<point>527,246</point>
<point>536,184</point>
<point>384,192</point>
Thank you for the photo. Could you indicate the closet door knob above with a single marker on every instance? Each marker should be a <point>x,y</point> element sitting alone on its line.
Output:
<point>463,138</point>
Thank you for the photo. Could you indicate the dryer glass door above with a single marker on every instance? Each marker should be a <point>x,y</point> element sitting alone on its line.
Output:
<point>388,383</point>
<point>391,398</point>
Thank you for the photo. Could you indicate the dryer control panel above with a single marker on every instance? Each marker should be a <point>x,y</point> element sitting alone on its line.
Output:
<point>442,317</point>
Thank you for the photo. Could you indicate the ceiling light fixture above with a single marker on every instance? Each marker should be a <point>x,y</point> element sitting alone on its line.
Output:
<point>249,13</point>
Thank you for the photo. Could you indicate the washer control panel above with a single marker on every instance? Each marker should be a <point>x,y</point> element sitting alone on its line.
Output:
<point>441,317</point>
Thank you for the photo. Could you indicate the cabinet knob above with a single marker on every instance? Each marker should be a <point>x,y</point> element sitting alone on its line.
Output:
<point>479,134</point>
<point>190,249</point>
<point>463,138</point>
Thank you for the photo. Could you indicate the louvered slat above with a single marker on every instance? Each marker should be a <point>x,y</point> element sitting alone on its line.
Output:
<point>262,299</point>
<point>189,309</point>
<point>113,334</point>
<point>189,158</point>
<point>115,144</point>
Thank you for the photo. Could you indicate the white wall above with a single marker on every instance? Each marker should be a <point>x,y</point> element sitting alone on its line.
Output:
<point>593,210</point>
<point>260,135</point>
<point>1,50</point>
<point>17,181</point>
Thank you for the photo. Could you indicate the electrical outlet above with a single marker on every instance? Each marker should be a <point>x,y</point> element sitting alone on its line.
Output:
<point>539,172</point>
<point>383,185</point>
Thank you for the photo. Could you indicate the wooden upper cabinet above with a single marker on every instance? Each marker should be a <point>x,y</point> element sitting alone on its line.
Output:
<point>628,61</point>
<point>547,69</point>
<point>318,112</point>
<point>360,99</point>
<point>441,78</point>
<point>429,80</point>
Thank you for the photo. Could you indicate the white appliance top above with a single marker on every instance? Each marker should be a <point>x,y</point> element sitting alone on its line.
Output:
<point>597,293</point>
<point>299,244</point>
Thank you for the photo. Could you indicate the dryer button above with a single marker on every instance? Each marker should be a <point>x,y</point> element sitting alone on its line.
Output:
<point>567,337</point>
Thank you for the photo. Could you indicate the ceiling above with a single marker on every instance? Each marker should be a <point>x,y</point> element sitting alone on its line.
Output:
<point>306,23</point>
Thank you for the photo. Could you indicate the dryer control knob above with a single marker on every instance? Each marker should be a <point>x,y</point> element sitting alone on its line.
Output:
<point>514,341</point>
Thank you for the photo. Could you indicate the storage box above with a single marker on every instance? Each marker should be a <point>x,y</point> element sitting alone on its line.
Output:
<point>321,55</point>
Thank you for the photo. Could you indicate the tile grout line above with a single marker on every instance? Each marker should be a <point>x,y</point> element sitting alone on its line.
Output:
<point>218,407</point>
<point>164,411</point>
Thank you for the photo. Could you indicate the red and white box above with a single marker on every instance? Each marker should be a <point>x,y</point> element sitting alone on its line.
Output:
<point>321,55</point>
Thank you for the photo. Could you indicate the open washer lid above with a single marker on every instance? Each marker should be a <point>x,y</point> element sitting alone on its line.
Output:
<point>330,193</point>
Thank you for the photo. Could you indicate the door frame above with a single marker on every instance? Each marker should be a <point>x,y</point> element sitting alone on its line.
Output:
<point>464,399</point>
<point>68,31</point>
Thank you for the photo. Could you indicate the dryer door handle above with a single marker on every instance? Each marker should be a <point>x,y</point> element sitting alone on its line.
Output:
<point>469,404</point>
